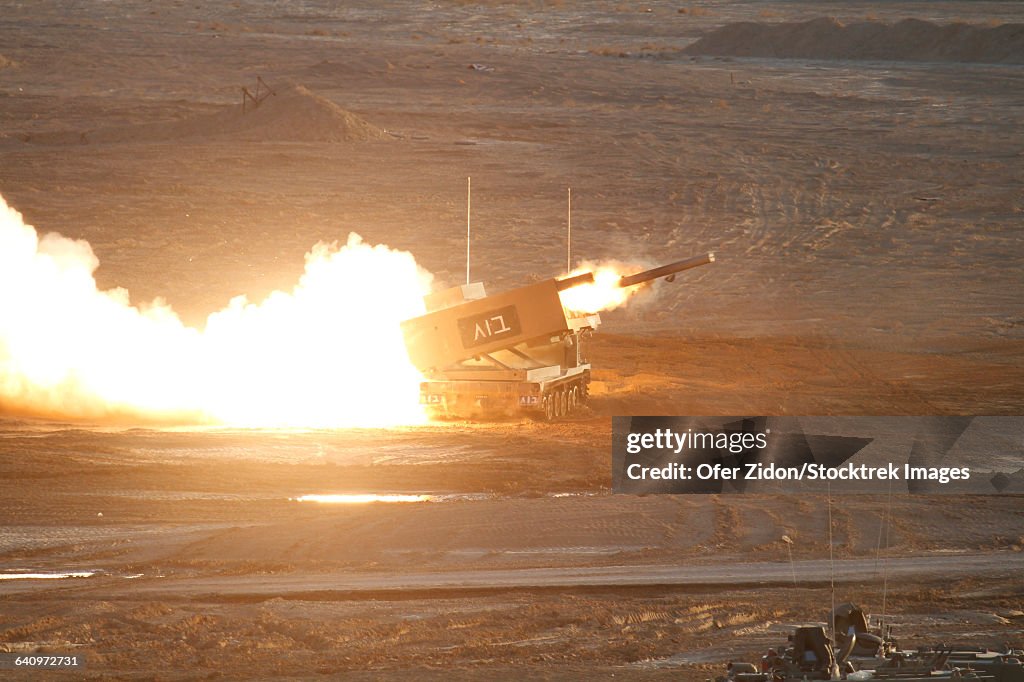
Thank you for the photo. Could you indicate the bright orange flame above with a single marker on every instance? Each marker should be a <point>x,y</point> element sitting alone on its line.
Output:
<point>604,293</point>
<point>327,354</point>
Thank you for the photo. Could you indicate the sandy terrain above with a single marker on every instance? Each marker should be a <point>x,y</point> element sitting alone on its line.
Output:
<point>202,543</point>
<point>865,212</point>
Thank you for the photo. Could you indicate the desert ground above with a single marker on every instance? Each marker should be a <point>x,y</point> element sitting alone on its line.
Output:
<point>865,208</point>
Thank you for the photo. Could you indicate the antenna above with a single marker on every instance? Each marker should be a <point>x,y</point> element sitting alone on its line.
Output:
<point>789,548</point>
<point>885,562</point>
<point>469,190</point>
<point>568,238</point>
<point>831,566</point>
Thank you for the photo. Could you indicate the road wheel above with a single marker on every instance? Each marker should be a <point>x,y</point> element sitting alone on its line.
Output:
<point>549,408</point>
<point>563,401</point>
<point>574,394</point>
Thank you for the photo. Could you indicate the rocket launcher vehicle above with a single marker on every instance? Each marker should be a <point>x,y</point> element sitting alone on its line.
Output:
<point>516,350</point>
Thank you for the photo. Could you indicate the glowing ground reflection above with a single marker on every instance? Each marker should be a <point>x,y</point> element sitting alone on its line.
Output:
<point>46,576</point>
<point>362,498</point>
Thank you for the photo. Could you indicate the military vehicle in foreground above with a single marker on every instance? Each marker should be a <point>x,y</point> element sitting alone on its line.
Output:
<point>521,351</point>
<point>859,654</point>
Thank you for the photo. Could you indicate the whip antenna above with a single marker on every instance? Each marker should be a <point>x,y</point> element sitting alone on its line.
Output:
<point>789,549</point>
<point>831,566</point>
<point>568,238</point>
<point>469,188</point>
<point>885,561</point>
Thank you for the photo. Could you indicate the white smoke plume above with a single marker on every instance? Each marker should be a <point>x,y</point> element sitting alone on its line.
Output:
<point>328,353</point>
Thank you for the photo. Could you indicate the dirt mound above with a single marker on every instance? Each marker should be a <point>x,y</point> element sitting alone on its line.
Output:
<point>907,40</point>
<point>296,113</point>
<point>292,113</point>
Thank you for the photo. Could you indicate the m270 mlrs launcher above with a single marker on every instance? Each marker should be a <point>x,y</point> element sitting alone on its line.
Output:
<point>518,351</point>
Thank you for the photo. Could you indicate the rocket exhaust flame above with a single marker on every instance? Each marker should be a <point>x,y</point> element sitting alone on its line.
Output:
<point>608,288</point>
<point>326,354</point>
<point>604,292</point>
